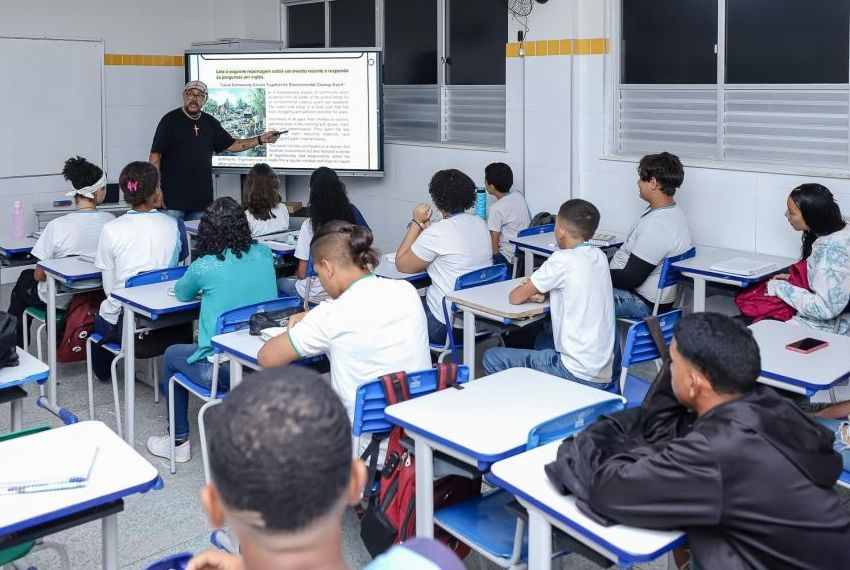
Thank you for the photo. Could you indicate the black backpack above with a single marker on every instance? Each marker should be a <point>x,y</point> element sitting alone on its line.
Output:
<point>8,349</point>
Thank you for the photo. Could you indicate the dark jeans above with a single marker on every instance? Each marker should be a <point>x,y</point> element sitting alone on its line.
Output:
<point>499,259</point>
<point>185,215</point>
<point>101,359</point>
<point>437,330</point>
<point>24,294</point>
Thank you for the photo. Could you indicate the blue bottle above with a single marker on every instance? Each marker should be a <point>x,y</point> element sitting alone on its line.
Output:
<point>481,203</point>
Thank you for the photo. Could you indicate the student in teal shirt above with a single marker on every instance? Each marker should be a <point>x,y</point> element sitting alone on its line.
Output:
<point>231,270</point>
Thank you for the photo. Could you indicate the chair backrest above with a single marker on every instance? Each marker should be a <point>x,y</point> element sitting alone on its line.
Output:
<point>370,401</point>
<point>156,276</point>
<point>477,278</point>
<point>535,230</point>
<point>639,344</point>
<point>669,274</point>
<point>570,423</point>
<point>173,562</point>
<point>236,319</point>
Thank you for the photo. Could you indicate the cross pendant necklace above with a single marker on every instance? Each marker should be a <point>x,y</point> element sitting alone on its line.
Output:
<point>196,130</point>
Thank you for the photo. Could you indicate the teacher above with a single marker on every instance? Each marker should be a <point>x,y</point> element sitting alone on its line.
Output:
<point>183,145</point>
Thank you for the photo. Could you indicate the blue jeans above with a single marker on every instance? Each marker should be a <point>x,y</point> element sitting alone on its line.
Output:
<point>200,372</point>
<point>838,445</point>
<point>499,259</point>
<point>543,358</point>
<point>101,359</point>
<point>437,330</point>
<point>286,287</point>
<point>630,305</point>
<point>185,215</point>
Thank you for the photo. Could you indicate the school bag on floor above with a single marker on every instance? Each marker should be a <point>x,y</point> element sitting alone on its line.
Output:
<point>8,349</point>
<point>389,516</point>
<point>79,324</point>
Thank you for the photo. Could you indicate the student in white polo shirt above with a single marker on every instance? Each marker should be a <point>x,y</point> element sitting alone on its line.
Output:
<point>508,215</point>
<point>578,283</point>
<point>370,327</point>
<point>457,244</point>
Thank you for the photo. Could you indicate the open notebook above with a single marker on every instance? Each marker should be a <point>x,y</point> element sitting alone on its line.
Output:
<point>743,266</point>
<point>39,473</point>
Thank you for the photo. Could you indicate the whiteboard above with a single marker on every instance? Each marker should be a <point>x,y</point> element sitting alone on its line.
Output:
<point>52,104</point>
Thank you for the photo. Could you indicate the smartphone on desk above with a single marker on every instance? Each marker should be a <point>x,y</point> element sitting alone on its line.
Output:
<point>807,345</point>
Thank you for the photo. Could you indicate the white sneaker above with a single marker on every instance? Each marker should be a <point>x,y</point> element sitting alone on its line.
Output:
<point>161,447</point>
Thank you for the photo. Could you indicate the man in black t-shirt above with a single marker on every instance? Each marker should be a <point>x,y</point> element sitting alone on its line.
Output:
<point>182,149</point>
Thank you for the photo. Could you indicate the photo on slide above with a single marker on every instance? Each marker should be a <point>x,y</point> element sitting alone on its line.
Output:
<point>242,113</point>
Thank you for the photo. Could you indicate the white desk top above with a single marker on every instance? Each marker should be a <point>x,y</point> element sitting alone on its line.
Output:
<point>388,270</point>
<point>818,370</point>
<point>706,256</point>
<point>493,300</point>
<point>154,299</point>
<point>29,369</point>
<point>192,226</point>
<point>239,344</point>
<point>118,471</point>
<point>279,248</point>
<point>70,269</point>
<point>523,476</point>
<point>12,245</point>
<point>545,243</point>
<point>490,418</point>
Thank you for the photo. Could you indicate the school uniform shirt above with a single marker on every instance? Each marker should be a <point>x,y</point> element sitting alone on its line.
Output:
<point>226,284</point>
<point>508,215</point>
<point>302,252</point>
<point>131,244</point>
<point>76,233</point>
<point>658,233</point>
<point>452,246</point>
<point>581,303</point>
<point>278,222</point>
<point>377,326</point>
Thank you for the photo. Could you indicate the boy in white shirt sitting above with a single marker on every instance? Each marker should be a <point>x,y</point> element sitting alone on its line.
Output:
<point>578,282</point>
<point>508,215</point>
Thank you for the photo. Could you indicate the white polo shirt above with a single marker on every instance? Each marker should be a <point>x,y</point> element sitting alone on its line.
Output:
<point>508,215</point>
<point>279,222</point>
<point>582,306</point>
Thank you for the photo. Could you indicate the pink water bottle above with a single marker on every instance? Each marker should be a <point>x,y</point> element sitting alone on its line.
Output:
<point>17,219</point>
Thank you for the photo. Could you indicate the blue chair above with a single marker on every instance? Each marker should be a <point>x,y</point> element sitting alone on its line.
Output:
<point>174,562</point>
<point>486,523</point>
<point>477,278</point>
<point>144,278</point>
<point>640,347</point>
<point>844,480</point>
<point>228,321</point>
<point>670,275</point>
<point>532,231</point>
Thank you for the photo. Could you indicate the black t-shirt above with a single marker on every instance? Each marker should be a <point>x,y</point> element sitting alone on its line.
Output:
<point>186,165</point>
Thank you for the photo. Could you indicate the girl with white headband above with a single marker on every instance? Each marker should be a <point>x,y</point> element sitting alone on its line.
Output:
<point>75,233</point>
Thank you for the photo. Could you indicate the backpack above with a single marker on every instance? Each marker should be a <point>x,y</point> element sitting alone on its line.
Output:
<point>389,516</point>
<point>79,324</point>
<point>753,303</point>
<point>541,219</point>
<point>8,349</point>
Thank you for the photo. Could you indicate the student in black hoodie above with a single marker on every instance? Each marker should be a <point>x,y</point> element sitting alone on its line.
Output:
<point>751,484</point>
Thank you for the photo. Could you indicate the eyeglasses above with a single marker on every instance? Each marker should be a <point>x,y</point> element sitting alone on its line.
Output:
<point>194,95</point>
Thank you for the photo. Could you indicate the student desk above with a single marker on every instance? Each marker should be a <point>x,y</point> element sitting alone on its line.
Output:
<point>192,226</point>
<point>29,370</point>
<point>118,471</point>
<point>388,270</point>
<point>523,476</point>
<point>491,302</point>
<point>489,420</point>
<point>16,251</point>
<point>698,268</point>
<point>796,372</point>
<point>76,275</point>
<point>544,245</point>
<point>279,248</point>
<point>152,302</point>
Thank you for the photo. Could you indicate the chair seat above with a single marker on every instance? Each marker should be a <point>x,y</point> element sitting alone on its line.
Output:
<point>8,555</point>
<point>112,347</point>
<point>634,390</point>
<point>201,391</point>
<point>485,522</point>
<point>844,479</point>
<point>41,314</point>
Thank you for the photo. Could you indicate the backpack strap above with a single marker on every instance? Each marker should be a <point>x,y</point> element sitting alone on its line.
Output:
<point>658,336</point>
<point>396,388</point>
<point>447,376</point>
<point>370,457</point>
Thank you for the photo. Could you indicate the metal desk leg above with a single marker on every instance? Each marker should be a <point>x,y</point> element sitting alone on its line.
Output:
<point>699,294</point>
<point>235,373</point>
<point>50,402</point>
<point>469,341</point>
<point>109,538</point>
<point>529,262</point>
<point>539,542</point>
<point>129,347</point>
<point>17,414</point>
<point>424,489</point>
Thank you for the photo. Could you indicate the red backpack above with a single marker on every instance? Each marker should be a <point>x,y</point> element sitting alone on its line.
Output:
<point>389,516</point>
<point>79,324</point>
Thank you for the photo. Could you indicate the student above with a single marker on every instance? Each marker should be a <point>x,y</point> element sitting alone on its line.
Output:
<point>456,244</point>
<point>373,326</point>
<point>328,201</point>
<point>752,483</point>
<point>283,477</point>
<point>231,270</point>
<point>264,207</point>
<point>508,215</point>
<point>144,239</point>
<point>813,211</point>
<point>661,231</point>
<point>578,283</point>
<point>75,233</point>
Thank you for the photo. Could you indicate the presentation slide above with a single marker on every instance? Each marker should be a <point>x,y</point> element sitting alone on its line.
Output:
<point>327,103</point>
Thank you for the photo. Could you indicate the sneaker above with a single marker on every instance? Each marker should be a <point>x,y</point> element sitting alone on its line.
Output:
<point>161,447</point>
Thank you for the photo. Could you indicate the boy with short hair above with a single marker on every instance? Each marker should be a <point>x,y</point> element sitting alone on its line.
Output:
<point>661,231</point>
<point>508,215</point>
<point>283,475</point>
<point>577,280</point>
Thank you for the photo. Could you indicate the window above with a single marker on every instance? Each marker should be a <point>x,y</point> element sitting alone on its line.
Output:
<point>762,81</point>
<point>444,61</point>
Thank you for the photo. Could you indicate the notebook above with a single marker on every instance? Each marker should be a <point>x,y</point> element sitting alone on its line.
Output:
<point>743,266</point>
<point>39,473</point>
<point>271,332</point>
<point>602,240</point>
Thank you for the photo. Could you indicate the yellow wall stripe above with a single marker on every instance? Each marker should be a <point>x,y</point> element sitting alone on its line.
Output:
<point>143,60</point>
<point>579,46</point>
